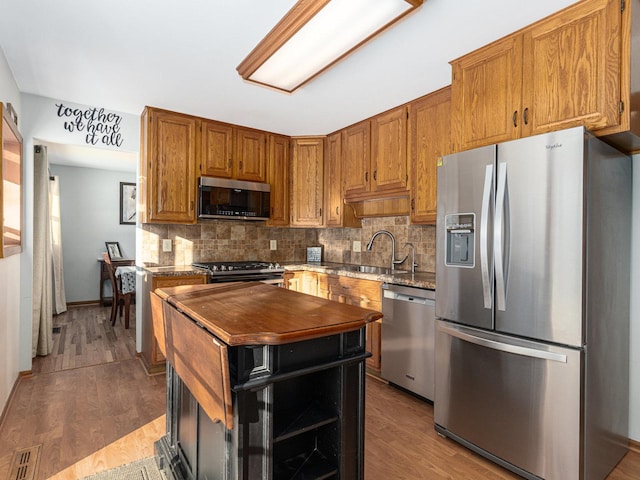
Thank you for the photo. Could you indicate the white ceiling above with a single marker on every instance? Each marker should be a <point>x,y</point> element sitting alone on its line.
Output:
<point>182,56</point>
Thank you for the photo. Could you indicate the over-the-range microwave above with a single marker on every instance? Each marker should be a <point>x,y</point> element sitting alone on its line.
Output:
<point>233,199</point>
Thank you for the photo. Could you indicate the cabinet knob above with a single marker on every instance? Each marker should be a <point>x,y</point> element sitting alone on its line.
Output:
<point>525,116</point>
<point>515,118</point>
<point>375,175</point>
<point>337,210</point>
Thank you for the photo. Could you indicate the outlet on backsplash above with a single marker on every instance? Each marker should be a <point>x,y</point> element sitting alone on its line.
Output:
<point>357,246</point>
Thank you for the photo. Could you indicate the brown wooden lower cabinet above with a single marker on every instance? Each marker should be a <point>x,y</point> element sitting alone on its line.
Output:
<point>152,358</point>
<point>353,291</point>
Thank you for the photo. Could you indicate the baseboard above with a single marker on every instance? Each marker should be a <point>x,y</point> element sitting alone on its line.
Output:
<point>151,370</point>
<point>634,446</point>
<point>83,303</point>
<point>12,394</point>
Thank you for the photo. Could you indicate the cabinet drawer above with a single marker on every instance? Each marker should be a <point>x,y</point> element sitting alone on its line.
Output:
<point>175,281</point>
<point>363,293</point>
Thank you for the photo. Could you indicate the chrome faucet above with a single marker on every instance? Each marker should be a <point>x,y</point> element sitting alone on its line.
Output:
<point>394,262</point>
<point>413,256</point>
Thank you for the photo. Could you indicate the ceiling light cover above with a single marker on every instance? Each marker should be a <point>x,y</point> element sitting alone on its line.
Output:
<point>315,34</point>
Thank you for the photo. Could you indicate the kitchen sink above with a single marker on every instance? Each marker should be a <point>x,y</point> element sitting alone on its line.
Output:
<point>372,269</point>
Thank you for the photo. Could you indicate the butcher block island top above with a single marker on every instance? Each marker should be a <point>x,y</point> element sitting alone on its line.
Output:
<point>254,313</point>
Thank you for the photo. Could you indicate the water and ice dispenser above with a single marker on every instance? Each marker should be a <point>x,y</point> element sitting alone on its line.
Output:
<point>460,242</point>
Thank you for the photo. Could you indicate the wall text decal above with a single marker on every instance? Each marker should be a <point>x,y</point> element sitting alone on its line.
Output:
<point>100,126</point>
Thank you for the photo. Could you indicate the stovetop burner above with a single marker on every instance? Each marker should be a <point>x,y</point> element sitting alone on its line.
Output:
<point>217,268</point>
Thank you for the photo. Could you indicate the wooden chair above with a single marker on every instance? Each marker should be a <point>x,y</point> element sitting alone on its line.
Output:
<point>120,300</point>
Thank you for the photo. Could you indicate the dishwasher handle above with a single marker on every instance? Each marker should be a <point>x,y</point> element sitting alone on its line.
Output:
<point>408,294</point>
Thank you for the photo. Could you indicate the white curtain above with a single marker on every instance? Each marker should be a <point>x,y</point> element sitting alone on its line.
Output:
<point>42,332</point>
<point>59,298</point>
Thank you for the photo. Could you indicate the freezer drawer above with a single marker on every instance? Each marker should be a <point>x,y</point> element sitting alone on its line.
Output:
<point>512,399</point>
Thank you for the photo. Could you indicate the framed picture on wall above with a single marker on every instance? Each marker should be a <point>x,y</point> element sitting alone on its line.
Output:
<point>127,203</point>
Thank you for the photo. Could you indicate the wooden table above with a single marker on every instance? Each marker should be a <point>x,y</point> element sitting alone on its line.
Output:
<point>104,276</point>
<point>262,382</point>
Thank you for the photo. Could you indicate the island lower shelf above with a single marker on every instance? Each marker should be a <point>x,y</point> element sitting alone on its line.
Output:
<point>281,410</point>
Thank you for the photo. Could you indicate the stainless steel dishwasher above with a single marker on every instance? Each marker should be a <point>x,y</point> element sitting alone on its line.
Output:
<point>408,331</point>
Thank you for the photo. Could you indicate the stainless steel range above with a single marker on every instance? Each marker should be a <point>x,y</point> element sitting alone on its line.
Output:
<point>243,272</point>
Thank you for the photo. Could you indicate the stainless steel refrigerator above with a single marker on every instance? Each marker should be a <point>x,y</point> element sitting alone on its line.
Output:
<point>532,304</point>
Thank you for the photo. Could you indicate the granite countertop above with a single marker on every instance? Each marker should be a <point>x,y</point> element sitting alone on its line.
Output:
<point>418,279</point>
<point>175,270</point>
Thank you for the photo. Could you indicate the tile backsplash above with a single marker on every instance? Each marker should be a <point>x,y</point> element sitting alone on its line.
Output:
<point>229,240</point>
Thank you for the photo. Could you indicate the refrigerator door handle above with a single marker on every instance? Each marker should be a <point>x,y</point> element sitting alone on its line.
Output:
<point>498,238</point>
<point>484,235</point>
<point>502,347</point>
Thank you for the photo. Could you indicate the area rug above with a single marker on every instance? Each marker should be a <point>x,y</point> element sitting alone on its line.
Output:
<point>145,469</point>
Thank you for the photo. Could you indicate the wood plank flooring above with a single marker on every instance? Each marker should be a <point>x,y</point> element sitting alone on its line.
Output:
<point>86,337</point>
<point>92,416</point>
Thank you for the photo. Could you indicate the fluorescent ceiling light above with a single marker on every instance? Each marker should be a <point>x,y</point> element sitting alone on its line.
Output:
<point>314,35</point>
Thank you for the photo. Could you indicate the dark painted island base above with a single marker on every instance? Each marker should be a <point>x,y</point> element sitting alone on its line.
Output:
<point>298,413</point>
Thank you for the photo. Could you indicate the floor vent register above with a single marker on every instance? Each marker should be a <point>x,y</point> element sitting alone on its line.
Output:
<point>25,463</point>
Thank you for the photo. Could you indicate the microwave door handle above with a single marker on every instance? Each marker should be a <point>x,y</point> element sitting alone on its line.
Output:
<point>484,234</point>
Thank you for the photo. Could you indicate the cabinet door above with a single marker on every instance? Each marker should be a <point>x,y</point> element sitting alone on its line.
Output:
<point>429,139</point>
<point>152,358</point>
<point>278,176</point>
<point>374,345</point>
<point>170,169</point>
<point>310,283</point>
<point>356,158</point>
<point>307,181</point>
<point>216,149</point>
<point>333,180</point>
<point>323,285</point>
<point>389,150</point>
<point>251,155</point>
<point>486,94</point>
<point>572,68</point>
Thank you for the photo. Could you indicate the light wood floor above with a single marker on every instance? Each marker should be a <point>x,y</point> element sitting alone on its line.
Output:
<point>95,409</point>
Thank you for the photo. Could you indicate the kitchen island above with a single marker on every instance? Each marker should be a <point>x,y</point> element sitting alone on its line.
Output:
<point>262,383</point>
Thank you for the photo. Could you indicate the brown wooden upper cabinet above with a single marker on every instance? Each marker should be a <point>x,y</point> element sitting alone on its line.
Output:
<point>251,155</point>
<point>429,139</point>
<point>375,156</point>
<point>389,150</point>
<point>278,176</point>
<point>337,213</point>
<point>563,71</point>
<point>307,169</point>
<point>233,152</point>
<point>167,167</point>
<point>356,158</point>
<point>216,149</point>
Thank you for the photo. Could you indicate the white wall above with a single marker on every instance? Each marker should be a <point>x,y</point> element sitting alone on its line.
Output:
<point>9,271</point>
<point>89,211</point>
<point>634,374</point>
